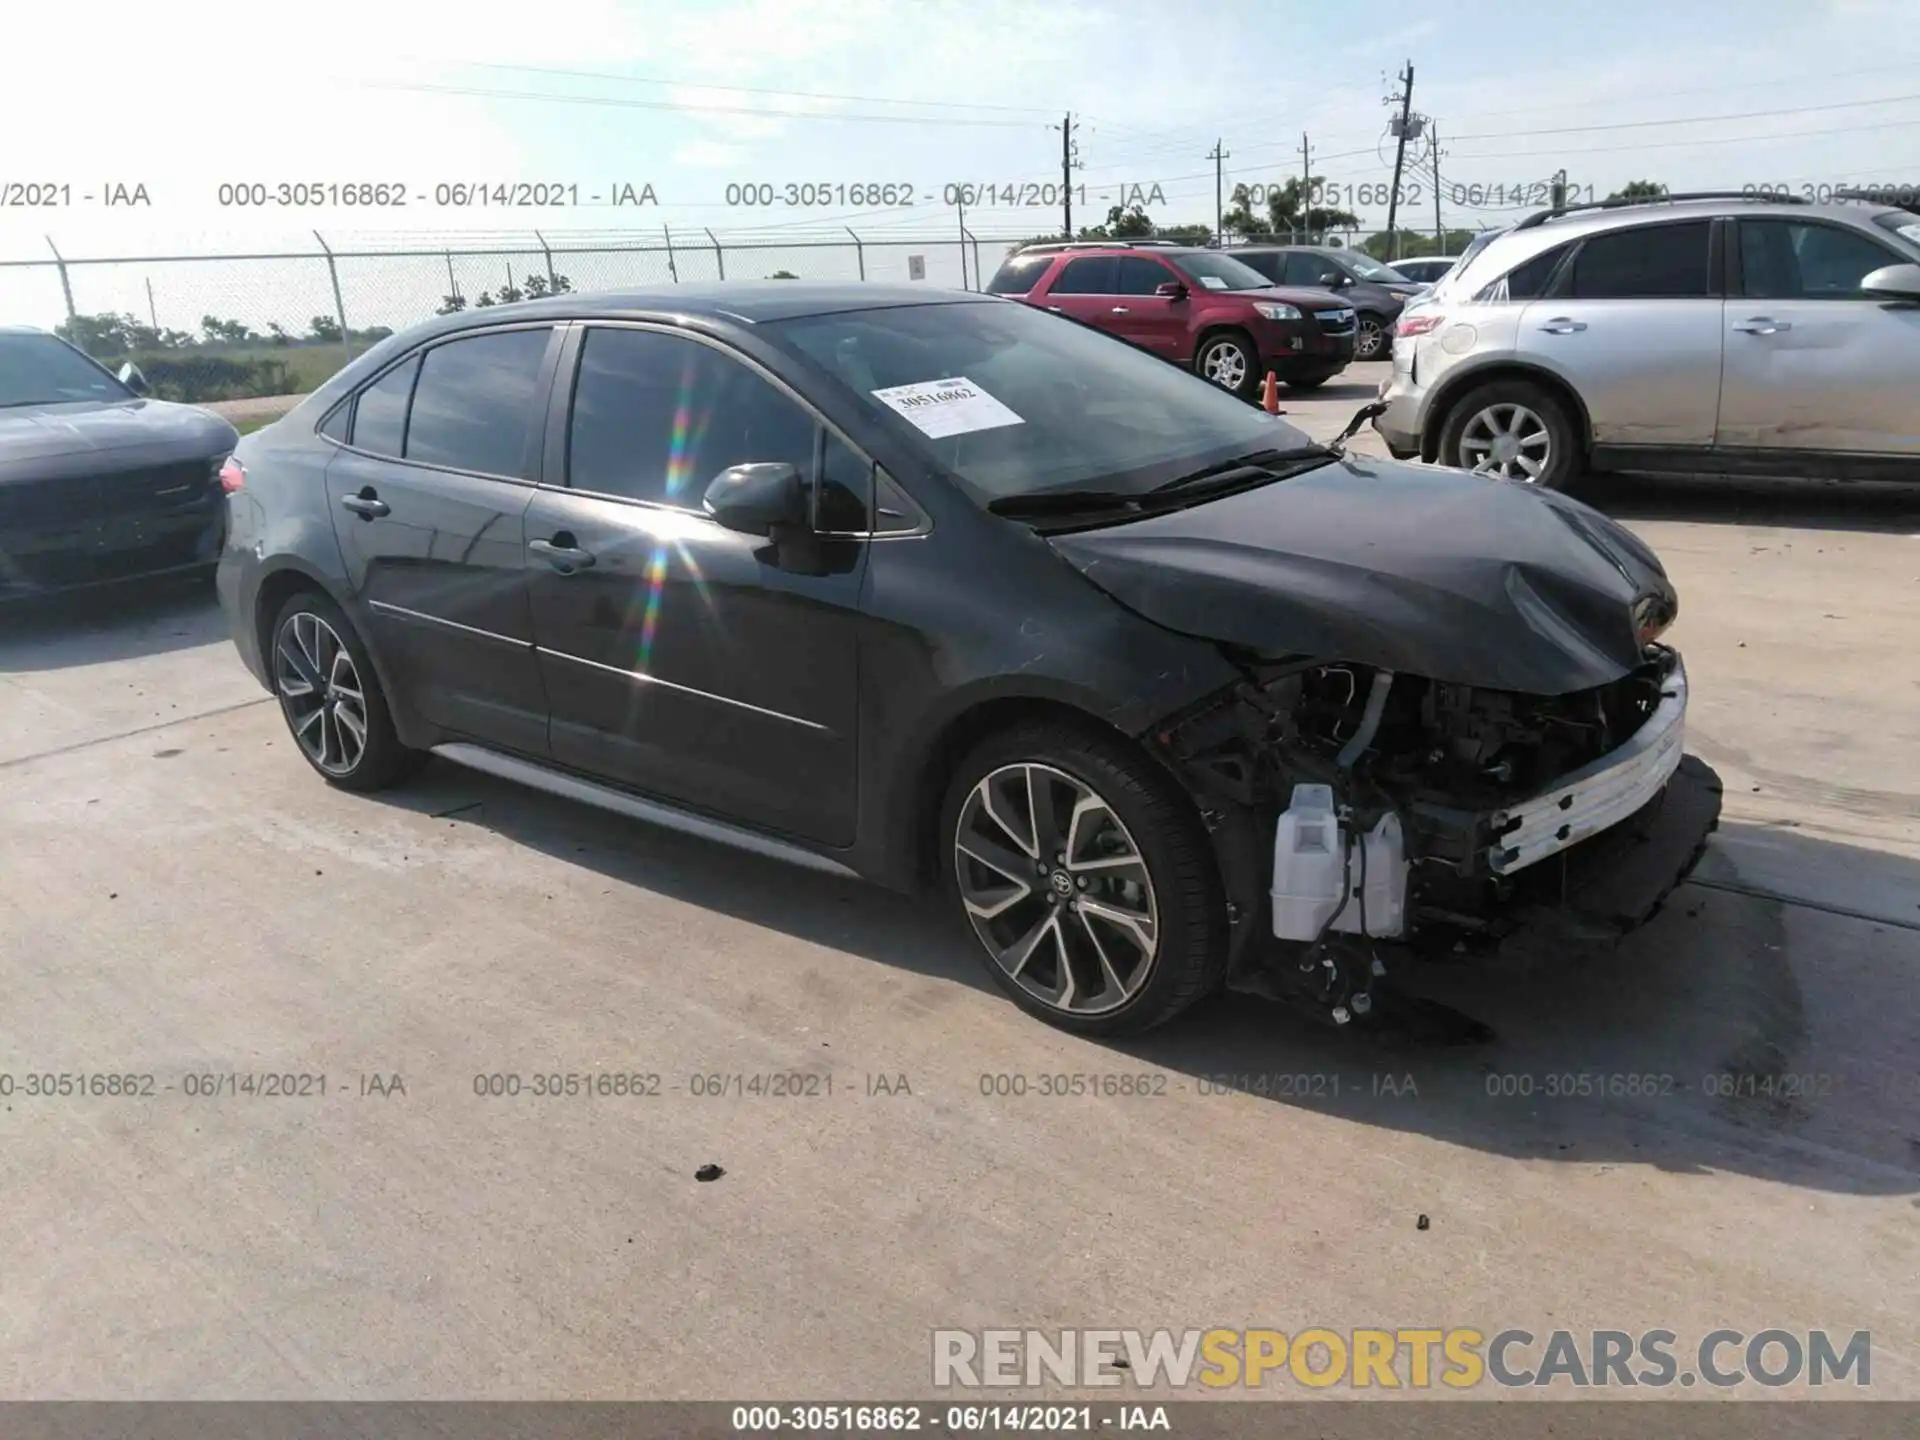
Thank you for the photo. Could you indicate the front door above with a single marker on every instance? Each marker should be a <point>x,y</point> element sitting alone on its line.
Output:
<point>428,495</point>
<point>1813,362</point>
<point>1154,322</point>
<point>683,659</point>
<point>1634,326</point>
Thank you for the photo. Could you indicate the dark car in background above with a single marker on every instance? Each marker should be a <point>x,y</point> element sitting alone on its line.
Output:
<point>938,590</point>
<point>1377,293</point>
<point>1195,307</point>
<point>98,483</point>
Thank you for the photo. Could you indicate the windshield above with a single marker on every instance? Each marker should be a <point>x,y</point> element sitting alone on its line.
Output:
<point>1013,401</point>
<point>1368,268</point>
<point>1906,226</point>
<point>40,370</point>
<point>1220,272</point>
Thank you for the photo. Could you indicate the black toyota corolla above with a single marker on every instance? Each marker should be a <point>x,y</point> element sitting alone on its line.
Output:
<point>940,589</point>
<point>97,483</point>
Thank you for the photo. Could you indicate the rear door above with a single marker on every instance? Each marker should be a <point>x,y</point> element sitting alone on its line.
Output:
<point>684,659</point>
<point>1634,324</point>
<point>1812,361</point>
<point>428,494</point>
<point>1082,289</point>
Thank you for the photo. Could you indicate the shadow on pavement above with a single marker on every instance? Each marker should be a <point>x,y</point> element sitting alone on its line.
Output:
<point>1809,504</point>
<point>1719,1038</point>
<point>117,622</point>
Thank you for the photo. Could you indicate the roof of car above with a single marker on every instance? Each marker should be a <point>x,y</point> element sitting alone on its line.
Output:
<point>21,330</point>
<point>750,302</point>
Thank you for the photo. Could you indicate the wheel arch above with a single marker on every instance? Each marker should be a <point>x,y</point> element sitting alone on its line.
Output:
<point>915,823</point>
<point>292,577</point>
<point>1458,385</point>
<point>1212,329</point>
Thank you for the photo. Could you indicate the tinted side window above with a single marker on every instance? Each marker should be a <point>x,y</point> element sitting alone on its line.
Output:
<point>1089,275</point>
<point>656,417</point>
<point>1019,275</point>
<point>380,414</point>
<point>1529,281</point>
<point>1787,260</point>
<point>1273,266</point>
<point>339,422</point>
<point>1139,275</point>
<point>1662,261</point>
<point>475,407</point>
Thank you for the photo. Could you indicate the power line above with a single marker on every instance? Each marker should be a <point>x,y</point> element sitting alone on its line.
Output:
<point>1697,119</point>
<point>1687,144</point>
<point>751,89</point>
<point>620,102</point>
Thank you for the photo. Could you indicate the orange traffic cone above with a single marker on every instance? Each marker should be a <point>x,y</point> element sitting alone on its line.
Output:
<point>1270,395</point>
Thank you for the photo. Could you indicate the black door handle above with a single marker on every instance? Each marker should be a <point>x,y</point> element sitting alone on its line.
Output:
<point>366,505</point>
<point>565,558</point>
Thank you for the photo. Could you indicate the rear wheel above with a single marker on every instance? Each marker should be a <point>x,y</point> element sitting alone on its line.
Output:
<point>1229,361</point>
<point>1086,879</point>
<point>1512,430</point>
<point>331,697</point>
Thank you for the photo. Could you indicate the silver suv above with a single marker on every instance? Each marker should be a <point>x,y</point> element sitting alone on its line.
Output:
<point>1693,333</point>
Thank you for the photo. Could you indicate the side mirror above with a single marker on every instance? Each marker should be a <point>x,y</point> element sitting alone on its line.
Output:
<point>1336,280</point>
<point>1172,289</point>
<point>1894,282</point>
<point>757,499</point>
<point>129,375</point>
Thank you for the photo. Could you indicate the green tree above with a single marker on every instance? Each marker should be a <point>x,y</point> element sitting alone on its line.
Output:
<point>1289,211</point>
<point>324,327</point>
<point>1639,190</point>
<point>1129,224</point>
<point>452,304</point>
<point>482,300</point>
<point>277,334</point>
<point>783,275</point>
<point>1186,234</point>
<point>509,292</point>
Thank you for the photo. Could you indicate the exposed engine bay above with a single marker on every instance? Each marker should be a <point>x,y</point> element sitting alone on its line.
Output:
<point>1409,817</point>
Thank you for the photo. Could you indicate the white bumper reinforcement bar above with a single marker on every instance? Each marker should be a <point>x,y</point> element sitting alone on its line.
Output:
<point>1599,795</point>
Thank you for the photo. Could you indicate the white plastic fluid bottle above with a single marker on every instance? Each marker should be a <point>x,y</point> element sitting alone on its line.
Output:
<point>1309,860</point>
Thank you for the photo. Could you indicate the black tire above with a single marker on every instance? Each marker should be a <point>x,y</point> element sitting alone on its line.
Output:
<point>1188,959</point>
<point>1460,435</point>
<point>1372,338</point>
<point>1246,362</point>
<point>381,760</point>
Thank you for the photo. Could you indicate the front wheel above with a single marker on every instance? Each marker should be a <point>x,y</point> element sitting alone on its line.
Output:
<point>1086,879</point>
<point>1228,361</point>
<point>1371,340</point>
<point>1512,430</point>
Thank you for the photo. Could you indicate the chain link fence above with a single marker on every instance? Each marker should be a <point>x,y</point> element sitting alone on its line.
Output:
<point>227,327</point>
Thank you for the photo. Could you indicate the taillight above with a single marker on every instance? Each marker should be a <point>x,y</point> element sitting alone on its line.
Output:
<point>233,475</point>
<point>1416,324</point>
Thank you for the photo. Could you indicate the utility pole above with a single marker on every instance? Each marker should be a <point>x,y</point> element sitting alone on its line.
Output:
<point>962,207</point>
<point>1559,189</point>
<point>1218,155</point>
<point>1306,183</point>
<point>1439,231</point>
<point>1069,162</point>
<point>1405,97</point>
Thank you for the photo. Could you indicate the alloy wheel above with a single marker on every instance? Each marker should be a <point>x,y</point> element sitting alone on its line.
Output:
<point>320,691</point>
<point>1056,889</point>
<point>1224,365</point>
<point>1368,344</point>
<point>1508,441</point>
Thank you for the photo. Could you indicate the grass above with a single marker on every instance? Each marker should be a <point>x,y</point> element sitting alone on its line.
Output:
<point>258,422</point>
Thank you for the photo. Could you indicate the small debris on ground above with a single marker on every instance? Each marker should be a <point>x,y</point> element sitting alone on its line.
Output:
<point>1423,1223</point>
<point>707,1173</point>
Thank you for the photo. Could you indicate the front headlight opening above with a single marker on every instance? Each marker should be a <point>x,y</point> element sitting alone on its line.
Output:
<point>1275,311</point>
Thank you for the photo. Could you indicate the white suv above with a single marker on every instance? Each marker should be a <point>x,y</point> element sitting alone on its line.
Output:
<point>1692,333</point>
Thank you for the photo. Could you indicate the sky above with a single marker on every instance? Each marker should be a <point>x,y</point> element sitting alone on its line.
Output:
<point>920,95</point>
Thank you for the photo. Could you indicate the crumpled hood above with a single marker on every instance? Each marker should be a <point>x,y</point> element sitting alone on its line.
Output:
<point>38,440</point>
<point>1416,569</point>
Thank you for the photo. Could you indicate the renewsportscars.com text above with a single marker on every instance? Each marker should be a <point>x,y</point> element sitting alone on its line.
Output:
<point>1459,1359</point>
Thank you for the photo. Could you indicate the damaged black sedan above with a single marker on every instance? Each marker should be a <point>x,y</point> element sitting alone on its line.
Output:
<point>939,590</point>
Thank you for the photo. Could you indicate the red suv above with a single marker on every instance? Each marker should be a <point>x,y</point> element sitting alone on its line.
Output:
<point>1196,307</point>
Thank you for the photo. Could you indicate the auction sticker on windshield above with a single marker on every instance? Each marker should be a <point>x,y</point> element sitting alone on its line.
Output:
<point>940,408</point>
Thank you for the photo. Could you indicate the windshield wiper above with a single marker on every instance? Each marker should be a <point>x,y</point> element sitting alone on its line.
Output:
<point>1262,465</point>
<point>1063,502</point>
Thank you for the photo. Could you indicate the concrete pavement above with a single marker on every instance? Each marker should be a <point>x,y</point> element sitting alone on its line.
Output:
<point>180,897</point>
